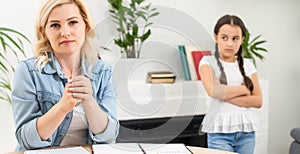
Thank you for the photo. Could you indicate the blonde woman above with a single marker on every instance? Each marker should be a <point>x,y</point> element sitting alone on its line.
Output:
<point>64,94</point>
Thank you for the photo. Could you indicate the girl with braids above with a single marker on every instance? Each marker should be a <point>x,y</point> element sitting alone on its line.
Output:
<point>232,85</point>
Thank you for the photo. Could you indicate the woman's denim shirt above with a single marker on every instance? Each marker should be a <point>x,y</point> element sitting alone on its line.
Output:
<point>34,93</point>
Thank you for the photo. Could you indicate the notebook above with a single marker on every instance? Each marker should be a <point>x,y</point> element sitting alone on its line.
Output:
<point>176,148</point>
<point>77,150</point>
<point>117,148</point>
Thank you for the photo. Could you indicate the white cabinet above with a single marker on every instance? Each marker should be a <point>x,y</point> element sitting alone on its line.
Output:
<point>158,113</point>
<point>141,100</point>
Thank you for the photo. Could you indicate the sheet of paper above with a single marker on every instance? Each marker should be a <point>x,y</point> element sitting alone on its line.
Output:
<point>117,148</point>
<point>73,150</point>
<point>165,148</point>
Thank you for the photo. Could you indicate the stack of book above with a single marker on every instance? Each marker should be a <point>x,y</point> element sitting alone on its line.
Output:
<point>161,77</point>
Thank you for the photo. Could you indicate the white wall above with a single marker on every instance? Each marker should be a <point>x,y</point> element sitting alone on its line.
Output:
<point>278,21</point>
<point>19,15</point>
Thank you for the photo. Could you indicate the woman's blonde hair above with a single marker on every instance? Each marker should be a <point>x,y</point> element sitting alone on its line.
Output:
<point>89,50</point>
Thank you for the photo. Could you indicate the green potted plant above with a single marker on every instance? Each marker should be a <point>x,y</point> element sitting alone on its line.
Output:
<point>133,25</point>
<point>11,44</point>
<point>251,48</point>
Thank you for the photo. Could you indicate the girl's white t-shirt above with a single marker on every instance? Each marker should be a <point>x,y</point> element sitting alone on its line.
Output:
<point>222,116</point>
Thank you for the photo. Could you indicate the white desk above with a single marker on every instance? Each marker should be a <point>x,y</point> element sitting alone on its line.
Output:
<point>195,150</point>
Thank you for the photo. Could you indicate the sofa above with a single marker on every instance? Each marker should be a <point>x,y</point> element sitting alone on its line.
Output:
<point>295,145</point>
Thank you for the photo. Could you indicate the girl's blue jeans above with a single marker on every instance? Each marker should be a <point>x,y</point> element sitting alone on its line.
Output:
<point>240,142</point>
